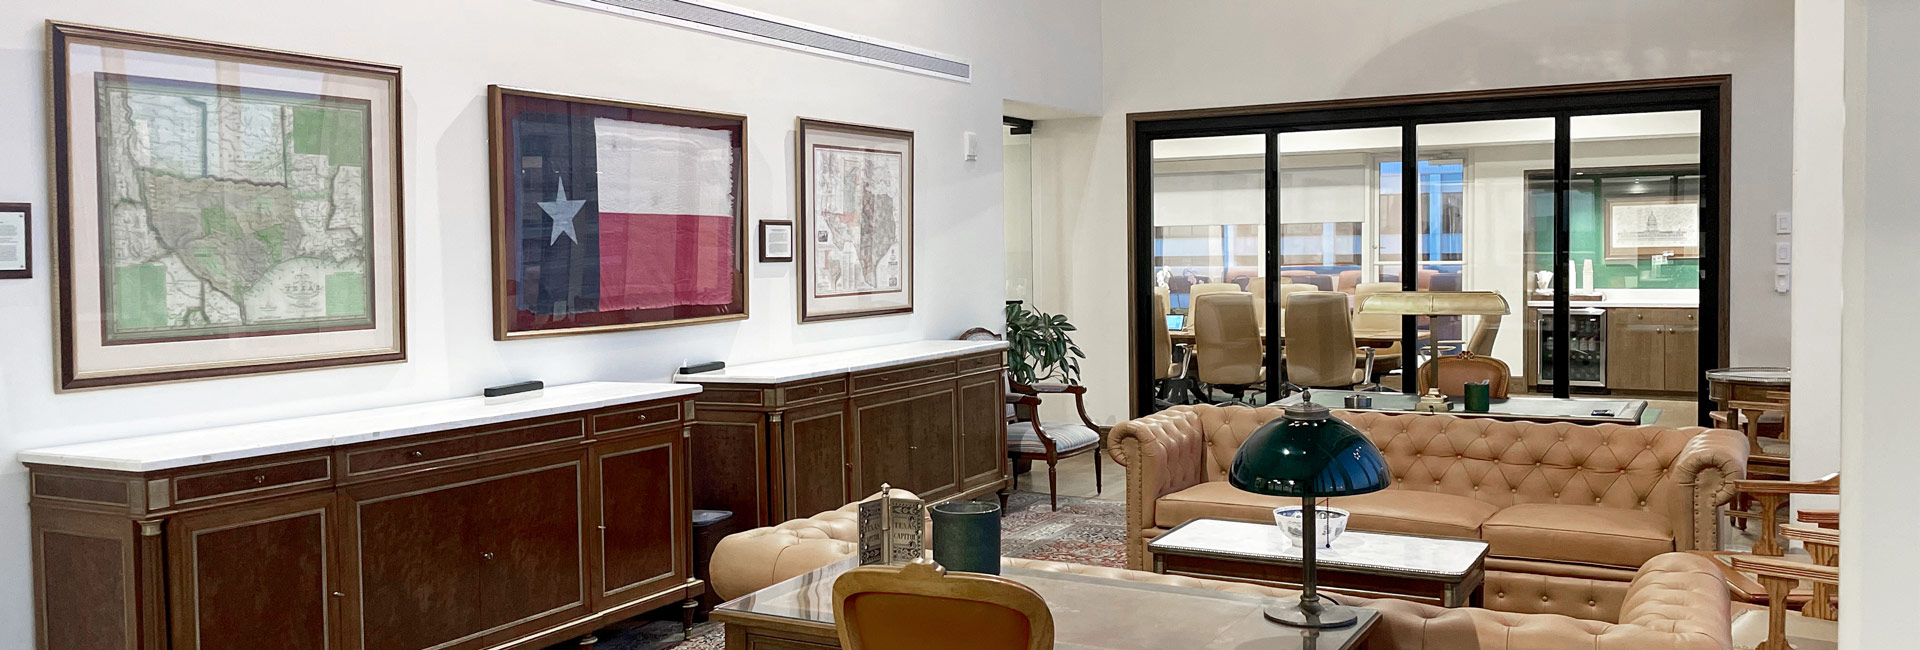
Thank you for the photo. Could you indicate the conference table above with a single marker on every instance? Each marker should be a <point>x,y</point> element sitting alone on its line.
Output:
<point>1369,338</point>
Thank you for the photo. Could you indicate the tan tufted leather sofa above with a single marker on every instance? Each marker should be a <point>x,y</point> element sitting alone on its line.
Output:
<point>1676,601</point>
<point>1570,512</point>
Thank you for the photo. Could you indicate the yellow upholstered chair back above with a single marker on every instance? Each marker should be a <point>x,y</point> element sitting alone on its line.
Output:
<point>1457,371</point>
<point>920,607</point>
<point>1227,339</point>
<point>1319,340</point>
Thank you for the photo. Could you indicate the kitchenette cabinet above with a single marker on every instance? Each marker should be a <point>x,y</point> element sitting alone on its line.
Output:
<point>1658,349</point>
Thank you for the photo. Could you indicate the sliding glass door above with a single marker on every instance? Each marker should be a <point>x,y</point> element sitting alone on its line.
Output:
<point>1596,212</point>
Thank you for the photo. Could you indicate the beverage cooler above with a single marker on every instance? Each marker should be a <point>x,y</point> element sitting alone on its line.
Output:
<point>1587,344</point>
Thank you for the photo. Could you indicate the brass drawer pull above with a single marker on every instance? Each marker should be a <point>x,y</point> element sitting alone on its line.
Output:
<point>415,453</point>
<point>486,556</point>
<point>259,478</point>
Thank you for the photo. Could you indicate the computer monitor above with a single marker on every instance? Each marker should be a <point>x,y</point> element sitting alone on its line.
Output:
<point>1176,321</point>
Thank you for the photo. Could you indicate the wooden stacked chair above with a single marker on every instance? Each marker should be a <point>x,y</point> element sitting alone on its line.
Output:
<point>1780,578</point>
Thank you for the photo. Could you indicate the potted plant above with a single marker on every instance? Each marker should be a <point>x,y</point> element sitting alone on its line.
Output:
<point>1039,348</point>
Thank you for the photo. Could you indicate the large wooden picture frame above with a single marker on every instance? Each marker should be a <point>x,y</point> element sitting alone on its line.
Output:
<point>855,223</point>
<point>1641,228</point>
<point>611,215</point>
<point>240,214</point>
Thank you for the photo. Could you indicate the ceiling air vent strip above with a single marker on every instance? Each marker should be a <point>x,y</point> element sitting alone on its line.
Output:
<point>754,26</point>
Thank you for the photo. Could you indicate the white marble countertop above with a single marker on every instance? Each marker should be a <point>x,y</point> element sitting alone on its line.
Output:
<point>169,450</point>
<point>821,365</point>
<point>1364,551</point>
<point>1615,304</point>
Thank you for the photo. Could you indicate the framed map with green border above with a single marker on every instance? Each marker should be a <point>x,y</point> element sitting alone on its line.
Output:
<point>221,210</point>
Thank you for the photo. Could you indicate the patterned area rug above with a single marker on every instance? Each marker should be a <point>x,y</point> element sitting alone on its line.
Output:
<point>1086,531</point>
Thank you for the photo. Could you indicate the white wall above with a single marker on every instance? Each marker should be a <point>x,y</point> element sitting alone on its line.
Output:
<point>1207,53</point>
<point>1044,53</point>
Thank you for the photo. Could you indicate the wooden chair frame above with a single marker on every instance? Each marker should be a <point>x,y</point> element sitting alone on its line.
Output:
<point>1025,400</point>
<point>924,578</point>
<point>1026,404</point>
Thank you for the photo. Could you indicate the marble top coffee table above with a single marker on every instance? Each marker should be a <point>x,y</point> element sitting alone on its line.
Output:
<point>1433,570</point>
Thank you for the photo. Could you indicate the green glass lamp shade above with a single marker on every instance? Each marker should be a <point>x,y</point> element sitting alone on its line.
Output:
<point>1308,453</point>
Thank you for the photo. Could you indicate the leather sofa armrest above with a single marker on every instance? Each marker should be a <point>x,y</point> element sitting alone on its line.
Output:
<point>1706,471</point>
<point>1163,453</point>
<point>749,561</point>
<point>1678,601</point>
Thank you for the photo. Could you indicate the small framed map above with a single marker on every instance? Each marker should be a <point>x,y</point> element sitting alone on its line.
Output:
<point>611,215</point>
<point>221,210</point>
<point>856,220</point>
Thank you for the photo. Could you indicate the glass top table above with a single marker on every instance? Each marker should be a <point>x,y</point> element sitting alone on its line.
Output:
<point>1576,410</point>
<point>1089,613</point>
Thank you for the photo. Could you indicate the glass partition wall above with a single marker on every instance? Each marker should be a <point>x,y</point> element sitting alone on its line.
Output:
<point>1596,212</point>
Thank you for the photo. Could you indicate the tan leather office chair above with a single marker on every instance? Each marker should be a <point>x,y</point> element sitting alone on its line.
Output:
<point>1459,370</point>
<point>1481,343</point>
<point>1198,290</point>
<point>1320,347</point>
<point>921,607</point>
<point>1162,364</point>
<point>1227,343</point>
<point>1347,281</point>
<point>1385,359</point>
<point>1258,287</point>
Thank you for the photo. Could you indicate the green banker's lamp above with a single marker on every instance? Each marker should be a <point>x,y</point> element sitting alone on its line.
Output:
<point>1308,453</point>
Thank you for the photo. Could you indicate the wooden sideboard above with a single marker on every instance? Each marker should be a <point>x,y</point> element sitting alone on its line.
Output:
<point>787,439</point>
<point>448,525</point>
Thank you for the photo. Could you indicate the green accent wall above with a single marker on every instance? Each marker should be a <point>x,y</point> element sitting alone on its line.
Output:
<point>1586,243</point>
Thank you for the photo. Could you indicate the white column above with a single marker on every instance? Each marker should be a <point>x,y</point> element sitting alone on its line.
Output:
<point>1878,439</point>
<point>1819,236</point>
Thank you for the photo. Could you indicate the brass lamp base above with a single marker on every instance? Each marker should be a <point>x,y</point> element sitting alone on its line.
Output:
<point>1432,402</point>
<point>1319,615</point>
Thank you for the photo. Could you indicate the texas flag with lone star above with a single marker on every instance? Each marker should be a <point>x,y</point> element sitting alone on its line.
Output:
<point>642,217</point>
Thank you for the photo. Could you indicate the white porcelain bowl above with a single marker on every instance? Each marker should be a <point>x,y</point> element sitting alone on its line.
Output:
<point>1333,522</point>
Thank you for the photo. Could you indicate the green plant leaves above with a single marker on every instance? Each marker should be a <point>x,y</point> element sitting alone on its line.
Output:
<point>1039,347</point>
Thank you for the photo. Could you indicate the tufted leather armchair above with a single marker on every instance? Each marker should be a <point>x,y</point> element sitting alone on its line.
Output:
<point>1570,512</point>
<point>1676,601</point>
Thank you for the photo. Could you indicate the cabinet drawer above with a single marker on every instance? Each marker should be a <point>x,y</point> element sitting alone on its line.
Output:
<point>723,395</point>
<point>634,418</point>
<point>901,376</point>
<point>982,362</point>
<point>375,460</point>
<point>196,487</point>
<point>834,387</point>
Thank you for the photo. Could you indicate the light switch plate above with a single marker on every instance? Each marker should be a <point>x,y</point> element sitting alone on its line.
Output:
<point>970,144</point>
<point>1782,277</point>
<point>1783,222</point>
<point>1783,252</point>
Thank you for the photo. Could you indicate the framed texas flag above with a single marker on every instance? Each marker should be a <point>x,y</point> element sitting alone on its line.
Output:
<point>610,215</point>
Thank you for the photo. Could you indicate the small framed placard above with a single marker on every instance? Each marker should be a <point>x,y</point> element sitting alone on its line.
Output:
<point>776,241</point>
<point>16,241</point>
